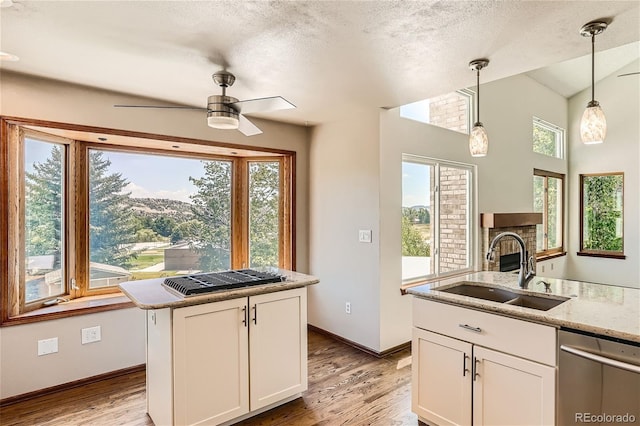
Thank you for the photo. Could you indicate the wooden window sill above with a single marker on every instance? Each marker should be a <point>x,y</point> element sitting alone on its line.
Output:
<point>79,306</point>
<point>549,256</point>
<point>602,254</point>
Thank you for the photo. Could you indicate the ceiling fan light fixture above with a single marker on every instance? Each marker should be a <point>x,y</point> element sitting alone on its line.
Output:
<point>220,114</point>
<point>593,126</point>
<point>222,122</point>
<point>478,137</point>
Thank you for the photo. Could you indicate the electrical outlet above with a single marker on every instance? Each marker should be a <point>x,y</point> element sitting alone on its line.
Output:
<point>347,307</point>
<point>47,346</point>
<point>91,334</point>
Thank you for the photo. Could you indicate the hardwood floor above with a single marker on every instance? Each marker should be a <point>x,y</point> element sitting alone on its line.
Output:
<point>346,387</point>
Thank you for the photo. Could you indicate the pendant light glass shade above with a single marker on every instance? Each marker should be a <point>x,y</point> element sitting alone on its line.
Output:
<point>478,141</point>
<point>478,138</point>
<point>593,127</point>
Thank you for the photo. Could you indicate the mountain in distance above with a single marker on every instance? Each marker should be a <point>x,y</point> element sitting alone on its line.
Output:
<point>155,207</point>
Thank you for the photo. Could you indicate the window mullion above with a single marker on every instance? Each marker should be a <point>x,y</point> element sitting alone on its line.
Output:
<point>240,214</point>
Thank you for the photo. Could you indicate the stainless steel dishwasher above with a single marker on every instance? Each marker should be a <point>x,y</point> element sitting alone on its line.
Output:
<point>598,380</point>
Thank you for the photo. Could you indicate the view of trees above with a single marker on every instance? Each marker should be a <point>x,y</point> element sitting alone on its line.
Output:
<point>264,190</point>
<point>117,221</point>
<point>544,141</point>
<point>43,206</point>
<point>211,208</point>
<point>414,241</point>
<point>602,212</point>
<point>111,221</point>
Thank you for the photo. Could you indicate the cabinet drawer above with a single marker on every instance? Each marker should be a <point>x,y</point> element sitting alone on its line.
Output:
<point>522,338</point>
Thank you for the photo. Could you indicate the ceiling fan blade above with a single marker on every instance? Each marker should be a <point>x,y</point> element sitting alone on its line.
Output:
<point>160,106</point>
<point>247,127</point>
<point>630,73</point>
<point>273,103</point>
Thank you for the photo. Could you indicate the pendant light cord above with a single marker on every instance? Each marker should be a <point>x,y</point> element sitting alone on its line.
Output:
<point>593,65</point>
<point>478,96</point>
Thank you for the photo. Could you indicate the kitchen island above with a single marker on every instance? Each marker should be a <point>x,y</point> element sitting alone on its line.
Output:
<point>488,352</point>
<point>219,357</point>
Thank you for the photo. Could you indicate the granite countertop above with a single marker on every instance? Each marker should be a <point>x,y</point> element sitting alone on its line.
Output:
<point>151,294</point>
<point>596,308</point>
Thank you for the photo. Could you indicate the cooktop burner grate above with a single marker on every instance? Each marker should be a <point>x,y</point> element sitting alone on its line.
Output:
<point>190,285</point>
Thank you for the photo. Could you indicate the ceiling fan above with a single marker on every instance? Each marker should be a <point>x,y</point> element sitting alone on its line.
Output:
<point>226,112</point>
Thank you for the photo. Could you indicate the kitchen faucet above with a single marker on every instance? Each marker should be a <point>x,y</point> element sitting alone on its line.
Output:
<point>526,266</point>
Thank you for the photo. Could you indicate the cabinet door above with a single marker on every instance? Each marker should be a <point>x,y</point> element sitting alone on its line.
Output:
<point>210,362</point>
<point>278,354</point>
<point>508,390</point>
<point>441,379</point>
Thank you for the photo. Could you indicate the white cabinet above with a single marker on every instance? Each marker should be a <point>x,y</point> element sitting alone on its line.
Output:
<point>441,382</point>
<point>215,362</point>
<point>465,371</point>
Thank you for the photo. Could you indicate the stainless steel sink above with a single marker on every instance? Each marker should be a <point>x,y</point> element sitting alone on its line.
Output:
<point>495,294</point>
<point>535,302</point>
<point>471,289</point>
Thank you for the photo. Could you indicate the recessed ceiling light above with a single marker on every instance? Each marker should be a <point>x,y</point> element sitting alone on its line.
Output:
<point>4,56</point>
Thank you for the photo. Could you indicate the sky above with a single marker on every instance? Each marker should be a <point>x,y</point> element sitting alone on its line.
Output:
<point>156,176</point>
<point>149,176</point>
<point>415,184</point>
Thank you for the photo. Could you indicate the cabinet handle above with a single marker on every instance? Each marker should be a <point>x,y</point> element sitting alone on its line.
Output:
<point>244,315</point>
<point>470,328</point>
<point>255,314</point>
<point>474,367</point>
<point>464,364</point>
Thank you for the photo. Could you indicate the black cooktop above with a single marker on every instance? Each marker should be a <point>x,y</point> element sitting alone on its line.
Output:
<point>190,285</point>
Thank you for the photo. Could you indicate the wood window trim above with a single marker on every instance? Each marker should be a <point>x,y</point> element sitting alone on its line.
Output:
<point>599,253</point>
<point>77,175</point>
<point>555,251</point>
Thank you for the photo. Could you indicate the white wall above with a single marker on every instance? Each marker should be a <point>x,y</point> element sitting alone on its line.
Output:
<point>620,152</point>
<point>356,182</point>
<point>504,177</point>
<point>27,97</point>
<point>344,198</point>
<point>23,371</point>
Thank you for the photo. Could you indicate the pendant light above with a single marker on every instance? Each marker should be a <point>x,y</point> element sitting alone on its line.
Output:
<point>478,138</point>
<point>593,127</point>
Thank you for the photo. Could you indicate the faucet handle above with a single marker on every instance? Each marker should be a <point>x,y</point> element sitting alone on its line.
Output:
<point>547,286</point>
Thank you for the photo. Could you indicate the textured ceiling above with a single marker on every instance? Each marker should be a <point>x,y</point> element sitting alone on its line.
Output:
<point>324,56</point>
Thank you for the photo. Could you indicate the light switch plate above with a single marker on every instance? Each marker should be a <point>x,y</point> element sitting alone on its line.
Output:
<point>364,235</point>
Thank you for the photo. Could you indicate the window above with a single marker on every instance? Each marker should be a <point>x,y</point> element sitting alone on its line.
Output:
<point>451,111</point>
<point>264,226</point>
<point>94,215</point>
<point>45,227</point>
<point>436,218</point>
<point>548,139</point>
<point>548,199</point>
<point>601,215</point>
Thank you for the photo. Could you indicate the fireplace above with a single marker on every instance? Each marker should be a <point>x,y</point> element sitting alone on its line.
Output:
<point>507,252</point>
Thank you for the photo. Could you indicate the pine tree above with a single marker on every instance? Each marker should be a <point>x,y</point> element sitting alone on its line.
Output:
<point>264,191</point>
<point>111,223</point>
<point>212,208</point>
<point>43,207</point>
